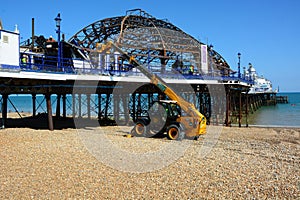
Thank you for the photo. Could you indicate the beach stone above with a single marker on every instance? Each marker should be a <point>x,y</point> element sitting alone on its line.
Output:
<point>244,163</point>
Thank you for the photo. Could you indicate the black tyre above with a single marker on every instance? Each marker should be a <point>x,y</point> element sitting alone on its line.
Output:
<point>153,131</point>
<point>157,121</point>
<point>174,133</point>
<point>139,130</point>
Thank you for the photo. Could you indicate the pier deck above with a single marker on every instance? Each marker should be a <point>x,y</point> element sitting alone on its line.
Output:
<point>110,89</point>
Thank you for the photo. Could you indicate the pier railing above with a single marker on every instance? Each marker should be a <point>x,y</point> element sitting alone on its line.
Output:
<point>49,64</point>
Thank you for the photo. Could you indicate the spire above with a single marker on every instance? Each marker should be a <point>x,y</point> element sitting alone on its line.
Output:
<point>16,29</point>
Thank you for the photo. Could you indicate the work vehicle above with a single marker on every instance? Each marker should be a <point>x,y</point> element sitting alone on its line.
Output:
<point>178,119</point>
<point>163,117</point>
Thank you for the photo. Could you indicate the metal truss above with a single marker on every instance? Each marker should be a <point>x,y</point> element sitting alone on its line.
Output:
<point>152,41</point>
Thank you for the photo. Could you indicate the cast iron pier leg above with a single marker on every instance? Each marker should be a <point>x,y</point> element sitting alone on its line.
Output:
<point>88,99</point>
<point>33,105</point>
<point>49,111</point>
<point>4,109</point>
<point>79,106</point>
<point>73,105</point>
<point>64,98</point>
<point>99,107</point>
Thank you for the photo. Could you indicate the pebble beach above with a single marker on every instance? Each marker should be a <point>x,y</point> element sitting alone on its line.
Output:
<point>244,163</point>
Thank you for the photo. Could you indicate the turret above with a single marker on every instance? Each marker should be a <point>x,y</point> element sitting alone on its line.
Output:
<point>252,72</point>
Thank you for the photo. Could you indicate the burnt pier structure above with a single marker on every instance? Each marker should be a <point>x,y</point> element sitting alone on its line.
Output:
<point>81,79</point>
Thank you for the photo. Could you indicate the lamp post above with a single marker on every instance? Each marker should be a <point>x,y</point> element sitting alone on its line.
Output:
<point>239,65</point>
<point>58,20</point>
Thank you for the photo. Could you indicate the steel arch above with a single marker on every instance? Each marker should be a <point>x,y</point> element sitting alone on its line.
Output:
<point>111,28</point>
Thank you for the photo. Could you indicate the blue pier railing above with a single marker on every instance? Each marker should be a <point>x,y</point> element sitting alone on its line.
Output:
<point>48,64</point>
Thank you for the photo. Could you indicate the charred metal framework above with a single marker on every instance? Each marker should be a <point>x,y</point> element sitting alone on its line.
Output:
<point>152,41</point>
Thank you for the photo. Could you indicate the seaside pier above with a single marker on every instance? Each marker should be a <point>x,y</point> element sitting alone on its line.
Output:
<point>80,79</point>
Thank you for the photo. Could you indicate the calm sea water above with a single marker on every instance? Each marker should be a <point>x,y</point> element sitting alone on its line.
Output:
<point>282,115</point>
<point>23,103</point>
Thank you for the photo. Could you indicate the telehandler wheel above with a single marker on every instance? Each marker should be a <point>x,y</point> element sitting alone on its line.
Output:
<point>174,133</point>
<point>139,129</point>
<point>154,131</point>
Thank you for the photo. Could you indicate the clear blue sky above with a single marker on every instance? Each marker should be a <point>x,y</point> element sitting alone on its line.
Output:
<point>265,32</point>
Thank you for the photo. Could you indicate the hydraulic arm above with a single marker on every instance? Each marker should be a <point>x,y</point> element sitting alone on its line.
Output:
<point>194,122</point>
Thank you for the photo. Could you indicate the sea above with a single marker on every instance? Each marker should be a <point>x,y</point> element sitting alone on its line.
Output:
<point>280,115</point>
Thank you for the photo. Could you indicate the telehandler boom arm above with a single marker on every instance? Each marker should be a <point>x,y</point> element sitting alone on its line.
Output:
<point>187,107</point>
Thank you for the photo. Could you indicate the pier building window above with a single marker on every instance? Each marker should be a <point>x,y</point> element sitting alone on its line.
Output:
<point>5,38</point>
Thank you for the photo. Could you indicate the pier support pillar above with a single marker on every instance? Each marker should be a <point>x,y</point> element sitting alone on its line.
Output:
<point>125,100</point>
<point>227,120</point>
<point>88,99</point>
<point>133,107</point>
<point>106,106</point>
<point>49,111</point>
<point>116,104</point>
<point>79,106</point>
<point>99,107</point>
<point>33,105</point>
<point>4,109</point>
<point>64,99</point>
<point>73,105</point>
